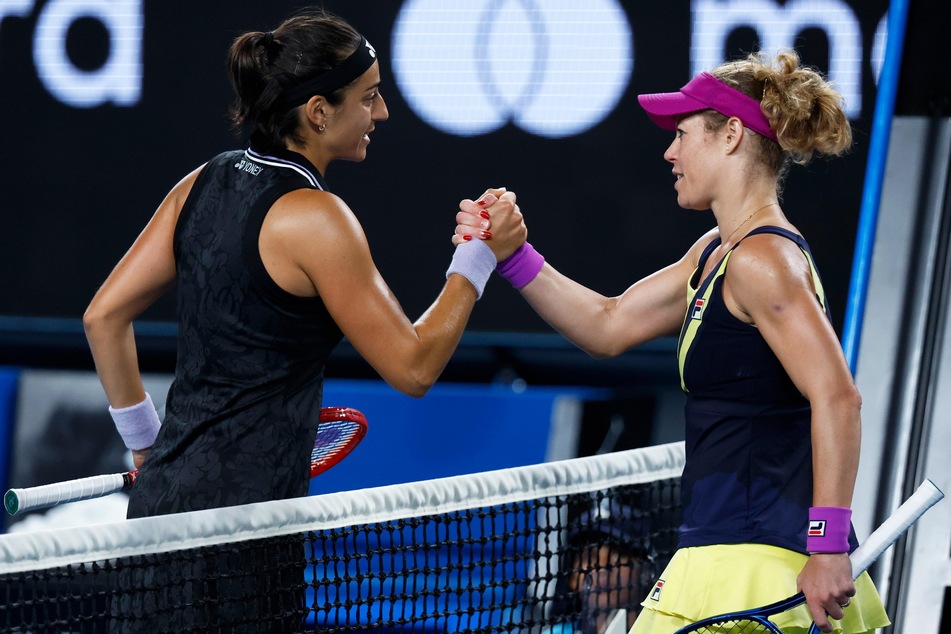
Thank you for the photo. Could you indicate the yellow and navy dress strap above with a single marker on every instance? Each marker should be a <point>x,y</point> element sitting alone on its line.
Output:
<point>699,299</point>
<point>696,303</point>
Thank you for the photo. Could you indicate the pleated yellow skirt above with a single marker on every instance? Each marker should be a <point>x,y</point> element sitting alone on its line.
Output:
<point>708,580</point>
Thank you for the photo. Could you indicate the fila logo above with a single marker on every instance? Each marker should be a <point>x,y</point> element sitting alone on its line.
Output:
<point>655,593</point>
<point>817,528</point>
<point>697,312</point>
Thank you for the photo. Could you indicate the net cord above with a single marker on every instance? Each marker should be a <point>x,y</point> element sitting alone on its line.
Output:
<point>43,550</point>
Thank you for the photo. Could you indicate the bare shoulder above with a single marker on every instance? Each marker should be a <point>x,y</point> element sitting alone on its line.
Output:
<point>307,218</point>
<point>311,210</point>
<point>184,187</point>
<point>311,202</point>
<point>769,254</point>
<point>771,268</point>
<point>171,205</point>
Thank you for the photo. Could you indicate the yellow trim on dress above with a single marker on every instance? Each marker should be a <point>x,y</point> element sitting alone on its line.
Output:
<point>694,316</point>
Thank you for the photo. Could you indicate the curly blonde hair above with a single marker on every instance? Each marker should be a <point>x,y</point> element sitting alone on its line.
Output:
<point>803,108</point>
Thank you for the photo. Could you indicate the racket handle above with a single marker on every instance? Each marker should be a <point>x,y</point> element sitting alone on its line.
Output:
<point>41,497</point>
<point>926,496</point>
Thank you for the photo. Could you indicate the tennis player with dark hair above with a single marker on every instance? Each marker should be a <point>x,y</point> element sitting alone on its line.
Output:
<point>271,270</point>
<point>773,414</point>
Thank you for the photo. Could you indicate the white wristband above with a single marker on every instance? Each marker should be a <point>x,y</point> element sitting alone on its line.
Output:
<point>137,424</point>
<point>475,261</point>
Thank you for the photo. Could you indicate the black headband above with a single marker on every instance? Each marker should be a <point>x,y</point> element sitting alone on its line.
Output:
<point>337,77</point>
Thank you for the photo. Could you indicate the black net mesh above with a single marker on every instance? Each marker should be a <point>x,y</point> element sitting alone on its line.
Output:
<point>558,563</point>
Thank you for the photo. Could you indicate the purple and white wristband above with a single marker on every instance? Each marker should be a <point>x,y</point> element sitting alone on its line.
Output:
<point>828,530</point>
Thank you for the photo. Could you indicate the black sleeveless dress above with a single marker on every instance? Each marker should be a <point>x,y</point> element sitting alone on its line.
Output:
<point>242,412</point>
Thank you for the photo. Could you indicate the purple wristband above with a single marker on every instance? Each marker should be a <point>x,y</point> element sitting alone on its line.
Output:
<point>521,267</point>
<point>828,530</point>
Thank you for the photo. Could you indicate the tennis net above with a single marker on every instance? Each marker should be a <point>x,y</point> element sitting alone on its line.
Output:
<point>555,547</point>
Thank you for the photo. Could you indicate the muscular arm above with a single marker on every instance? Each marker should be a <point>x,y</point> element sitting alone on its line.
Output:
<point>608,326</point>
<point>769,285</point>
<point>145,272</point>
<point>314,239</point>
<point>601,326</point>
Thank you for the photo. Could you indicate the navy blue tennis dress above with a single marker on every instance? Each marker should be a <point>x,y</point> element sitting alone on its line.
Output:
<point>748,475</point>
<point>242,412</point>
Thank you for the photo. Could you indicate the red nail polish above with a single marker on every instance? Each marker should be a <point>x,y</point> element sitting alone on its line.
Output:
<point>467,238</point>
<point>485,214</point>
<point>481,203</point>
<point>486,235</point>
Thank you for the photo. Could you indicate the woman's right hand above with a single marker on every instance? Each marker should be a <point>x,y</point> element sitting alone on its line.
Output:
<point>495,218</point>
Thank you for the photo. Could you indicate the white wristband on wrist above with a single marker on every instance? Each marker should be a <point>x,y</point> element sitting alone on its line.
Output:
<point>137,424</point>
<point>475,261</point>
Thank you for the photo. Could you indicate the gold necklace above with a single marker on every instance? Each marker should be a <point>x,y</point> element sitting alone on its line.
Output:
<point>747,219</point>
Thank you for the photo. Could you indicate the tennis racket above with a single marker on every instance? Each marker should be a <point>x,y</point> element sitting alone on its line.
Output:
<point>757,620</point>
<point>340,430</point>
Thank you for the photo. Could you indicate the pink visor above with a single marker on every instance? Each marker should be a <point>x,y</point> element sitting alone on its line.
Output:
<point>705,92</point>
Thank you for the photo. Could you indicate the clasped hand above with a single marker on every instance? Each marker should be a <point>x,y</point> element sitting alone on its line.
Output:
<point>493,217</point>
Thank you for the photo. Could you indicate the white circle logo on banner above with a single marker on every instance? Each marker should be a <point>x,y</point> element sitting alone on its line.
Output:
<point>553,68</point>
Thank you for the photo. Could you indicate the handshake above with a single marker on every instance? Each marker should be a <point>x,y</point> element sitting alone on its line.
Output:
<point>491,235</point>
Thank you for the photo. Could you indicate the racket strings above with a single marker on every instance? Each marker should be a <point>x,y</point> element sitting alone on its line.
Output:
<point>738,626</point>
<point>332,436</point>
